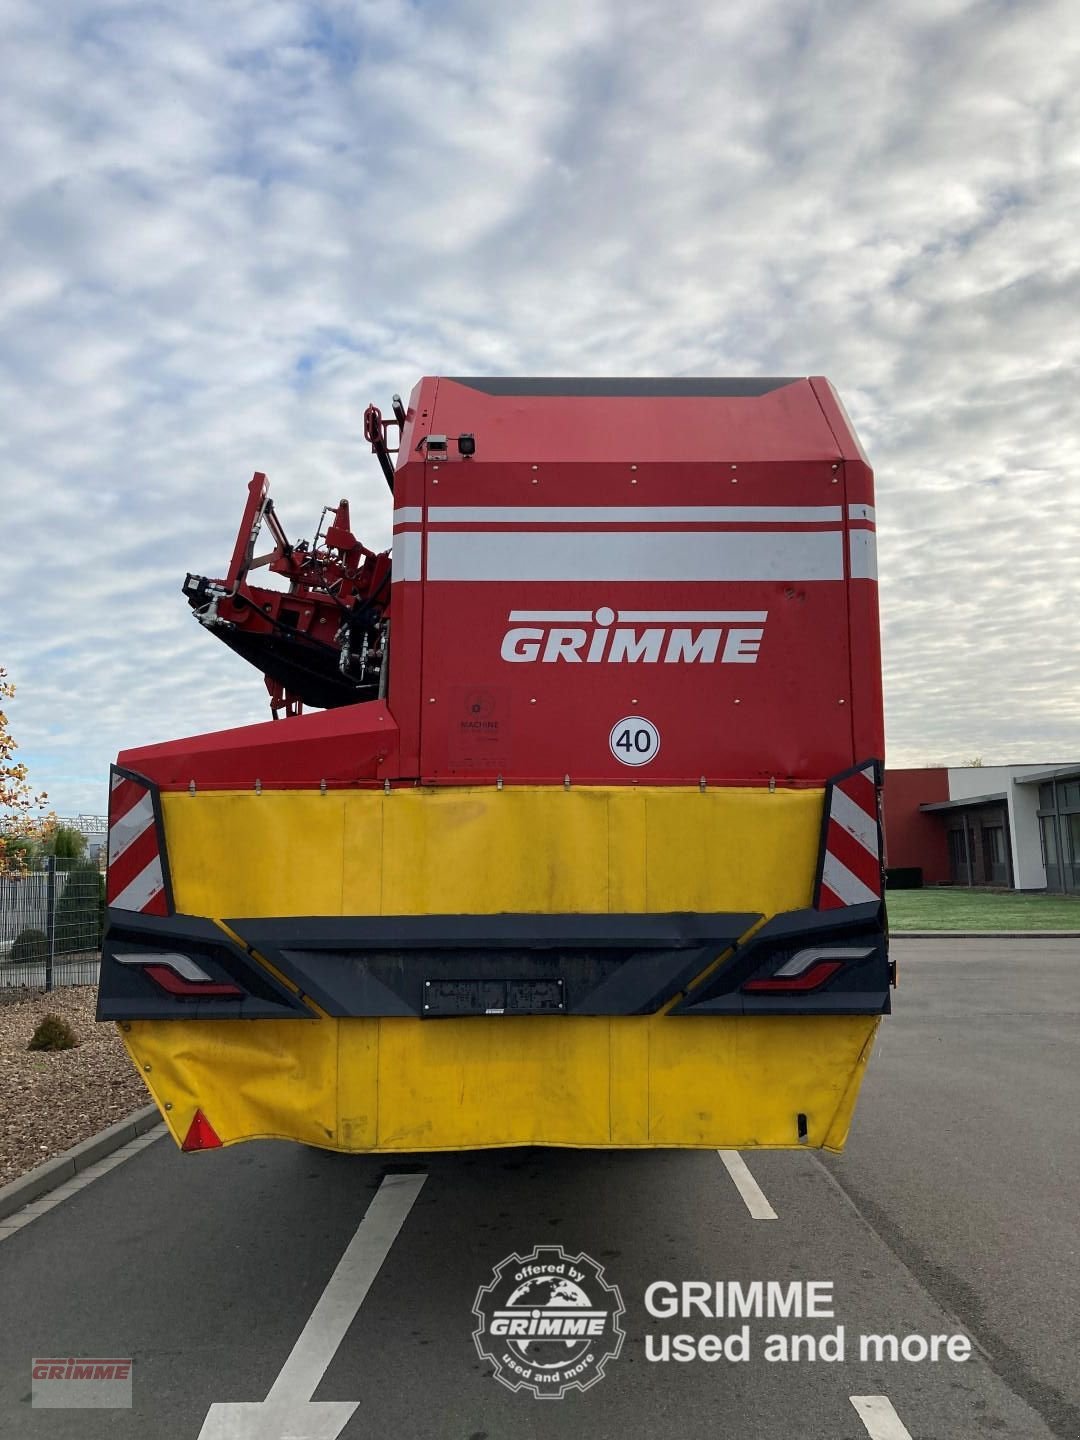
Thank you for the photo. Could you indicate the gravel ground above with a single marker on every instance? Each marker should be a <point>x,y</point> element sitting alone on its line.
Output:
<point>50,1101</point>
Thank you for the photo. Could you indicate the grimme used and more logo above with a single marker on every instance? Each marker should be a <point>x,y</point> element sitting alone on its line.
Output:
<point>549,1322</point>
<point>70,1383</point>
<point>606,636</point>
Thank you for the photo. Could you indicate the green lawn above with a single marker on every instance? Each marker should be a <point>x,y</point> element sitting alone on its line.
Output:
<point>960,909</point>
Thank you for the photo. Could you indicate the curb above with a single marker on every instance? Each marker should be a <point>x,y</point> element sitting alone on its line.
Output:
<point>984,934</point>
<point>61,1168</point>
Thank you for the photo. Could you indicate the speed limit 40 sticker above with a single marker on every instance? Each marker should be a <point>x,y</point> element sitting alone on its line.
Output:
<point>635,740</point>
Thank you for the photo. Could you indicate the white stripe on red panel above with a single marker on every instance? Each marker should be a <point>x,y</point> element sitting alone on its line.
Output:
<point>642,555</point>
<point>644,515</point>
<point>844,887</point>
<point>863,552</point>
<point>406,555</point>
<point>851,866</point>
<point>124,832</point>
<point>855,820</point>
<point>144,889</point>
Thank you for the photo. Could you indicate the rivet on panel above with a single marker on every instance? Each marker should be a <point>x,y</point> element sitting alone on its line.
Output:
<point>168,1104</point>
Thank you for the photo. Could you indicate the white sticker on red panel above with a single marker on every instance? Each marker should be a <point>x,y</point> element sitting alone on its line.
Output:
<point>634,740</point>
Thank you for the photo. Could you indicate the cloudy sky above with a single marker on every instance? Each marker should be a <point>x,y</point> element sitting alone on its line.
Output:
<point>226,227</point>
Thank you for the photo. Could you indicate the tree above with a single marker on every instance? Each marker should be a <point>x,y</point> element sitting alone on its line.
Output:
<point>63,841</point>
<point>80,912</point>
<point>17,799</point>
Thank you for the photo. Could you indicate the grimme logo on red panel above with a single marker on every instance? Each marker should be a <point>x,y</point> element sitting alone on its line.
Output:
<point>607,636</point>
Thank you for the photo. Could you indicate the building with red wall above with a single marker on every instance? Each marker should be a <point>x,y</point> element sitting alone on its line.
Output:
<point>1012,826</point>
<point>915,839</point>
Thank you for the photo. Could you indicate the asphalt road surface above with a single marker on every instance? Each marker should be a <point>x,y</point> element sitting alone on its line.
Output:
<point>953,1212</point>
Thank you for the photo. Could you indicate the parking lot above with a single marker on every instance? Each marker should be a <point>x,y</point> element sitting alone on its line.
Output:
<point>952,1213</point>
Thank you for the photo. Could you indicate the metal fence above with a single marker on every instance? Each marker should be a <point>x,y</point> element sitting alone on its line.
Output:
<point>51,920</point>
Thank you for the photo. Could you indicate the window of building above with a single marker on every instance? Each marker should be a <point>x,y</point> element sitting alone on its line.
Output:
<point>1046,797</point>
<point>995,865</point>
<point>1049,848</point>
<point>1070,824</point>
<point>958,857</point>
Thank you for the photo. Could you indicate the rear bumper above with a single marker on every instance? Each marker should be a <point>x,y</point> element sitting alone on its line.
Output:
<point>430,967</point>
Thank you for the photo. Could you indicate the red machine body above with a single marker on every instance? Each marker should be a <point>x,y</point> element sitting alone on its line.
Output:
<point>569,555</point>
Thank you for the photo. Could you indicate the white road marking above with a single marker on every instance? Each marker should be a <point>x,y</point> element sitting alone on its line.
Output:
<point>288,1412</point>
<point>747,1186</point>
<point>879,1419</point>
<point>52,1198</point>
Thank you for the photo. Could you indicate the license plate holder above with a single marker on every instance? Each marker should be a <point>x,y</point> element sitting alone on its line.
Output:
<point>493,997</point>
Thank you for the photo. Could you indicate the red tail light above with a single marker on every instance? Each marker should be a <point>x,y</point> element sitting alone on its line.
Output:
<point>815,976</point>
<point>809,969</point>
<point>175,985</point>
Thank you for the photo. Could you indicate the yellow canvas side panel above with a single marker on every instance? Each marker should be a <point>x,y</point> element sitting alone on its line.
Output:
<point>481,851</point>
<point>838,1131</point>
<point>405,1085</point>
<point>732,849</point>
<point>228,857</point>
<point>628,1041</point>
<point>773,1068</point>
<point>525,1081</point>
<point>627,852</point>
<point>251,1077</point>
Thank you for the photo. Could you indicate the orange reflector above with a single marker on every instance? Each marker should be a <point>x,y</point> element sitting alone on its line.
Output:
<point>201,1135</point>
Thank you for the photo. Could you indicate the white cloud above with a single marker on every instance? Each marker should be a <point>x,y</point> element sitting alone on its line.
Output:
<point>194,199</point>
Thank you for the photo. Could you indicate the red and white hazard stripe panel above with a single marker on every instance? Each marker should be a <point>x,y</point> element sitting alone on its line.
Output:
<point>851,864</point>
<point>136,875</point>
